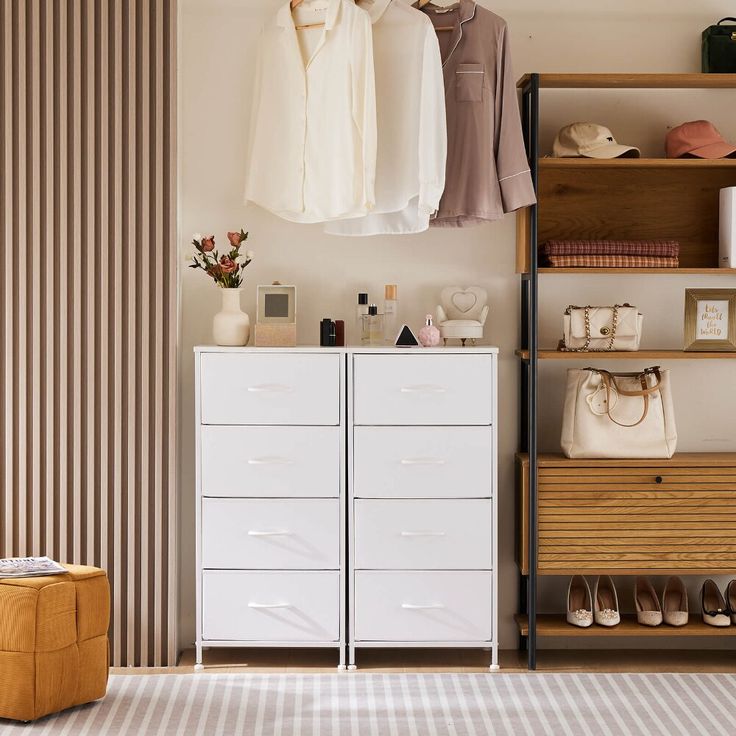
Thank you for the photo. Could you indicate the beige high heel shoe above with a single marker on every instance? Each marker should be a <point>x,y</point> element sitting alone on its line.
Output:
<point>715,610</point>
<point>579,603</point>
<point>605,602</point>
<point>648,610</point>
<point>675,609</point>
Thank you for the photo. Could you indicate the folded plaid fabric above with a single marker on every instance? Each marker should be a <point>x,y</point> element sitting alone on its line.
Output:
<point>593,261</point>
<point>664,248</point>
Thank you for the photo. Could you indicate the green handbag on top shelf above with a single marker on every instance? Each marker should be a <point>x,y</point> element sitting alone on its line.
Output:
<point>719,48</point>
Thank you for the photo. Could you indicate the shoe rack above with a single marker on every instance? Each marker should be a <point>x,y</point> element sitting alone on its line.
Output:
<point>583,516</point>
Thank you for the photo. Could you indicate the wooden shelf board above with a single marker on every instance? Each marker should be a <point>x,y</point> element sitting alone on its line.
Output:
<point>632,355</point>
<point>633,81</point>
<point>644,271</point>
<point>636,163</point>
<point>556,625</point>
<point>679,459</point>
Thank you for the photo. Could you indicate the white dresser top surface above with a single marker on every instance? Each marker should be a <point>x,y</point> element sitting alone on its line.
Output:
<point>356,349</point>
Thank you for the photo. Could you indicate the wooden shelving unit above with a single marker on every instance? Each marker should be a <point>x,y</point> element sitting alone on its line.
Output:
<point>554,625</point>
<point>627,517</point>
<point>640,355</point>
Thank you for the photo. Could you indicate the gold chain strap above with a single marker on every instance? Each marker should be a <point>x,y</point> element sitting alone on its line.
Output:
<point>586,346</point>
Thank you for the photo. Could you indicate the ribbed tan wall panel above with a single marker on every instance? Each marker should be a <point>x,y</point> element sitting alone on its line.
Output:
<point>89,301</point>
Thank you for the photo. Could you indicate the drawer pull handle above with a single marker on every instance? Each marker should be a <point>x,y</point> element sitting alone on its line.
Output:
<point>423,389</point>
<point>273,533</point>
<point>421,607</point>
<point>270,461</point>
<point>269,605</point>
<point>422,461</point>
<point>659,479</point>
<point>270,388</point>
<point>422,534</point>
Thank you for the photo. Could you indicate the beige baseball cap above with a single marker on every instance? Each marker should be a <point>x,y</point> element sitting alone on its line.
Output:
<point>592,141</point>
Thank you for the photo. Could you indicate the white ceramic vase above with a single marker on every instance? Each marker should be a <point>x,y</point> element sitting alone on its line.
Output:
<point>231,325</point>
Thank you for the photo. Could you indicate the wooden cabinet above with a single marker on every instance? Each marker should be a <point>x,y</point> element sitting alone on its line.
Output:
<point>632,517</point>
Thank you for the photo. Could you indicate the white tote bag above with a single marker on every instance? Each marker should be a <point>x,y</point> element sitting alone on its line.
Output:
<point>618,415</point>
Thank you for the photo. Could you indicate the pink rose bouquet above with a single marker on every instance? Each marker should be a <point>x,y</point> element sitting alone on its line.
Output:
<point>226,270</point>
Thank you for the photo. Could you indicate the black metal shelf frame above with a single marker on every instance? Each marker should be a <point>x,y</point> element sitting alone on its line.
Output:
<point>529,378</point>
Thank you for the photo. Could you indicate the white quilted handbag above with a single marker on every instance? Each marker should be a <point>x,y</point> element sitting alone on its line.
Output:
<point>589,329</point>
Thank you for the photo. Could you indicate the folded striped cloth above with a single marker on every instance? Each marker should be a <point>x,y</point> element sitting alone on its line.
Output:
<point>594,261</point>
<point>663,248</point>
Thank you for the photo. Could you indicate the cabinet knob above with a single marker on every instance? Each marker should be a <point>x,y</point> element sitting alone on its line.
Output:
<point>659,479</point>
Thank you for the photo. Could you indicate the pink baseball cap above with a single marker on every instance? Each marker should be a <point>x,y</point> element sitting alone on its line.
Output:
<point>697,138</point>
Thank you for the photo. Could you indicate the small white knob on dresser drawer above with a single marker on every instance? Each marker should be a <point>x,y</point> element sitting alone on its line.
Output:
<point>423,389</point>
<point>422,607</point>
<point>422,461</point>
<point>272,388</point>
<point>270,461</point>
<point>422,534</point>
<point>269,605</point>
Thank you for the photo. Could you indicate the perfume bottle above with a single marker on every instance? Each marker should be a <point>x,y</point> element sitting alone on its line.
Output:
<point>360,311</point>
<point>429,335</point>
<point>372,332</point>
<point>390,311</point>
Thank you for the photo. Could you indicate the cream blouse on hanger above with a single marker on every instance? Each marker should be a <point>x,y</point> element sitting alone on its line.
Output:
<point>312,140</point>
<point>412,126</point>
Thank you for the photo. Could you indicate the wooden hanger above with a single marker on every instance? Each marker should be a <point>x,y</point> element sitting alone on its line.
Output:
<point>296,3</point>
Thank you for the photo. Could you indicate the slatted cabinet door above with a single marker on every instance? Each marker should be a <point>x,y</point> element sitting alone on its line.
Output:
<point>631,517</point>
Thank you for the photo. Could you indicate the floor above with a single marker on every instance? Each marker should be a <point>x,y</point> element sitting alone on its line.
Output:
<point>314,661</point>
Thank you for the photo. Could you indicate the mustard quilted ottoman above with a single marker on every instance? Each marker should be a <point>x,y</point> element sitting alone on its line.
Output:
<point>53,642</point>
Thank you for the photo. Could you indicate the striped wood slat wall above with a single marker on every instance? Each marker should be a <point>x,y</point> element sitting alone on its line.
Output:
<point>88,301</point>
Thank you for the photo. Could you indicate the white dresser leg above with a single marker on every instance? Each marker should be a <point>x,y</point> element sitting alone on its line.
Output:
<point>351,658</point>
<point>198,666</point>
<point>495,666</point>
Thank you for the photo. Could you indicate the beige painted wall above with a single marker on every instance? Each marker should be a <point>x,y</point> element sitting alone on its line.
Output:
<point>217,38</point>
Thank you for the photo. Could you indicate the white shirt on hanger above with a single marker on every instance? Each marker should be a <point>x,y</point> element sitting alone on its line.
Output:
<point>312,140</point>
<point>412,125</point>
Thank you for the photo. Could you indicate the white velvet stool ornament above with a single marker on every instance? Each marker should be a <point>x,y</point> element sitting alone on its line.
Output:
<point>462,314</point>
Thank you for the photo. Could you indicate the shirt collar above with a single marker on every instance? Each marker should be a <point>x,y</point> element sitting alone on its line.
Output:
<point>376,9</point>
<point>467,9</point>
<point>285,19</point>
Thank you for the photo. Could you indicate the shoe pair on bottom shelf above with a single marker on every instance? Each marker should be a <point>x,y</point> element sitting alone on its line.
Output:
<point>601,606</point>
<point>674,609</point>
<point>717,610</point>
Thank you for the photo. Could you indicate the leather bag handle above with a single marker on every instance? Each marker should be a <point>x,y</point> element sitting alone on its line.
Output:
<point>728,18</point>
<point>609,379</point>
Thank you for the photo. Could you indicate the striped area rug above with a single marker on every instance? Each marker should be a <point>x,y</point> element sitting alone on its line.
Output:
<point>393,705</point>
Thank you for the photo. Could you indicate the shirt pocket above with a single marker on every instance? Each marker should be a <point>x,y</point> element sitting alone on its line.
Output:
<point>469,82</point>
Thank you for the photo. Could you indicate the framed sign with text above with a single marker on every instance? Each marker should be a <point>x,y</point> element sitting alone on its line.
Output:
<point>710,320</point>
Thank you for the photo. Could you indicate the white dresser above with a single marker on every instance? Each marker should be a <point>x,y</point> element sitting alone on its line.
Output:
<point>336,480</point>
<point>270,498</point>
<point>422,501</point>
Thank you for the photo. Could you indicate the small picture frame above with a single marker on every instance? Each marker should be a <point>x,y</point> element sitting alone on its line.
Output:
<point>276,316</point>
<point>276,305</point>
<point>710,320</point>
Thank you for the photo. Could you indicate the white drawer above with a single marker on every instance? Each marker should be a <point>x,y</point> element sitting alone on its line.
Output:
<point>423,606</point>
<point>422,462</point>
<point>270,606</point>
<point>272,534</point>
<point>423,535</point>
<point>270,461</point>
<point>253,388</point>
<point>423,389</point>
